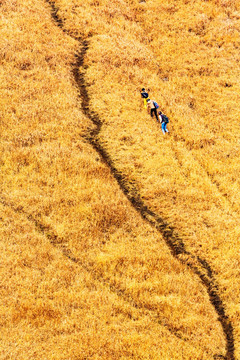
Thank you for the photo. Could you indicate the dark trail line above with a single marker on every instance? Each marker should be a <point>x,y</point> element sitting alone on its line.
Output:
<point>176,245</point>
<point>199,266</point>
<point>57,242</point>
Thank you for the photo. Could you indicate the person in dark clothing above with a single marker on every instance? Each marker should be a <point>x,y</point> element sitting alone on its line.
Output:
<point>144,95</point>
<point>164,122</point>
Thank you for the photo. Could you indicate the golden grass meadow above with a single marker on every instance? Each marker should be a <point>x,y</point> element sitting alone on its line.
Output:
<point>118,242</point>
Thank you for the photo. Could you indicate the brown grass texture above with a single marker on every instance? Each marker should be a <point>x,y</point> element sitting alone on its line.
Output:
<point>118,242</point>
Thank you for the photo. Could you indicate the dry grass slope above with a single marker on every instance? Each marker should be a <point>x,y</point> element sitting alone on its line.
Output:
<point>203,207</point>
<point>83,274</point>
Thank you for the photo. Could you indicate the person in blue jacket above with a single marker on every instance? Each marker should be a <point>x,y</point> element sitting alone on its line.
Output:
<point>164,121</point>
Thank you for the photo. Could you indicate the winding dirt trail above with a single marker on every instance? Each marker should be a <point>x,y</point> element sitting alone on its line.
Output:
<point>173,240</point>
<point>198,265</point>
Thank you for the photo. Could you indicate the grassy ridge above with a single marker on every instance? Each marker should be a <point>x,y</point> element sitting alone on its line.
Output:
<point>120,294</point>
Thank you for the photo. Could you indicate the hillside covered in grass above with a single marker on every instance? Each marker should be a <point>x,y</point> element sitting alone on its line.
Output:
<point>118,242</point>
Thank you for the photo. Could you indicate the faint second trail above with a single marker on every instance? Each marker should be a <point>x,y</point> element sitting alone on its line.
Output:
<point>198,265</point>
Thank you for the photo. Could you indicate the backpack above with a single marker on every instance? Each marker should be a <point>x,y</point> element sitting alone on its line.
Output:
<point>155,104</point>
<point>165,118</point>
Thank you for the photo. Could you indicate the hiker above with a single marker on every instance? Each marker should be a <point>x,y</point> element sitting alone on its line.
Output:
<point>144,95</point>
<point>152,107</point>
<point>164,121</point>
